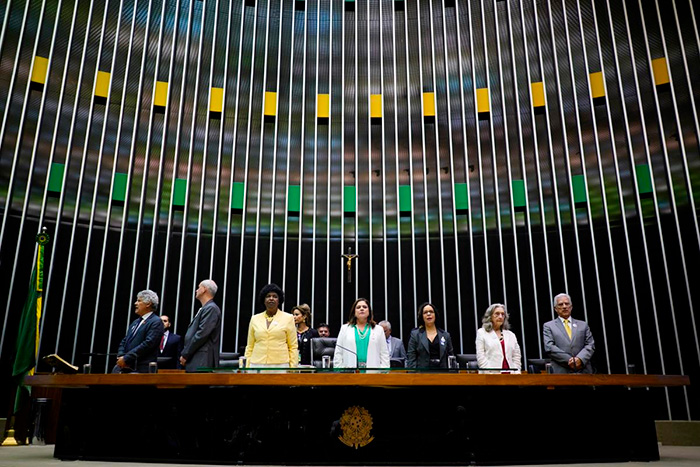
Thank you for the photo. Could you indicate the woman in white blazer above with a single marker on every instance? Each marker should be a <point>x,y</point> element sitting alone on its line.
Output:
<point>496,346</point>
<point>361,343</point>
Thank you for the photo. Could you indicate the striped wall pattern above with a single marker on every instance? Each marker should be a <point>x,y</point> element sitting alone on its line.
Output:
<point>470,151</point>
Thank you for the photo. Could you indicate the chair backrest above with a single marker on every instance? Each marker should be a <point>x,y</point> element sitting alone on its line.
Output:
<point>228,359</point>
<point>537,365</point>
<point>321,346</point>
<point>464,358</point>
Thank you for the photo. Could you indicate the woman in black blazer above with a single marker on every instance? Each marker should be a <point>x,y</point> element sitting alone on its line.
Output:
<point>429,346</point>
<point>302,320</point>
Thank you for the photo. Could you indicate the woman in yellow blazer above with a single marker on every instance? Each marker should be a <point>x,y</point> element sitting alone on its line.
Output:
<point>272,335</point>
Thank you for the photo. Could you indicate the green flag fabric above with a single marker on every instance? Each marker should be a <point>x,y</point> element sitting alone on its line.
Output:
<point>26,338</point>
<point>28,335</point>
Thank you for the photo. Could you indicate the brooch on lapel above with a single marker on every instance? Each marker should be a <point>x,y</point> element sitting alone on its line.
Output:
<point>442,340</point>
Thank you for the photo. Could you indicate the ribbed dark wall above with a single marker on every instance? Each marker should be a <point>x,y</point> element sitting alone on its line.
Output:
<point>626,255</point>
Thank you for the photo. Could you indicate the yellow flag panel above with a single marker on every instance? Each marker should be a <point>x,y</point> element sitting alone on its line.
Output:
<point>428,104</point>
<point>102,84</point>
<point>538,94</point>
<point>41,64</point>
<point>270,104</point>
<point>597,85</point>
<point>660,71</point>
<point>375,105</point>
<point>216,103</point>
<point>324,106</point>
<point>482,100</point>
<point>160,96</point>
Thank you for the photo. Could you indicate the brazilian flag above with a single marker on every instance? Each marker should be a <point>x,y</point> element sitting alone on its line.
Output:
<point>28,335</point>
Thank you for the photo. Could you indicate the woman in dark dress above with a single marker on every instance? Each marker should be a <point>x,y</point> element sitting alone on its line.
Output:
<point>302,320</point>
<point>429,346</point>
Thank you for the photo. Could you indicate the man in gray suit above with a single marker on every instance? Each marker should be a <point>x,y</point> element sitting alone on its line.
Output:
<point>567,341</point>
<point>397,352</point>
<point>201,349</point>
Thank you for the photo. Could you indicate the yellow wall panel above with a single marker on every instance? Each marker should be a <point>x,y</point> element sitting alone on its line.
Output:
<point>160,97</point>
<point>375,105</point>
<point>660,71</point>
<point>538,94</point>
<point>41,64</point>
<point>597,85</point>
<point>102,84</point>
<point>270,104</point>
<point>216,104</point>
<point>323,103</point>
<point>482,100</point>
<point>428,104</point>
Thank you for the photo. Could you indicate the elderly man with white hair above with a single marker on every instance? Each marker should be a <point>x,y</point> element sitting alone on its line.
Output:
<point>568,342</point>
<point>201,349</point>
<point>140,345</point>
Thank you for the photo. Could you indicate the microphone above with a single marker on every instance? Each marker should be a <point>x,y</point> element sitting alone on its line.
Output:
<point>351,351</point>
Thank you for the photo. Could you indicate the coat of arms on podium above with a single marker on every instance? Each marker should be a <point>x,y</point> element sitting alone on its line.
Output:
<point>356,424</point>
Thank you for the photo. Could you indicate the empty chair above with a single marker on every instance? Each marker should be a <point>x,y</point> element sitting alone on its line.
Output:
<point>321,346</point>
<point>228,359</point>
<point>464,358</point>
<point>537,365</point>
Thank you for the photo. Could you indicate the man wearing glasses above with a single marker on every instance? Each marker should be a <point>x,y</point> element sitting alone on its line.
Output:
<point>567,341</point>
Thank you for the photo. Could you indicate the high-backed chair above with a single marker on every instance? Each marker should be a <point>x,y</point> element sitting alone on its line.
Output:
<point>321,346</point>
<point>228,359</point>
<point>537,365</point>
<point>464,358</point>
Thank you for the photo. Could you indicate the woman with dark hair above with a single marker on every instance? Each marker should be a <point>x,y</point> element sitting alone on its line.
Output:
<point>496,346</point>
<point>272,337</point>
<point>302,320</point>
<point>361,343</point>
<point>429,346</point>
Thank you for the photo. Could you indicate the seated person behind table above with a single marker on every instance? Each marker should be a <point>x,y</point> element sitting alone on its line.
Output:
<point>397,352</point>
<point>323,330</point>
<point>272,336</point>
<point>496,346</point>
<point>302,320</point>
<point>361,342</point>
<point>139,347</point>
<point>429,346</point>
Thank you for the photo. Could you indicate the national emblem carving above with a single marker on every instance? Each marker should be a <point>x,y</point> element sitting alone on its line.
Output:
<point>356,425</point>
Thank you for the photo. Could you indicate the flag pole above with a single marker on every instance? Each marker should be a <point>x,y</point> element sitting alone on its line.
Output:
<point>28,335</point>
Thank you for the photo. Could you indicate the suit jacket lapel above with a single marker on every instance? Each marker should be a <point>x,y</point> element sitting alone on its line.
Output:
<point>441,336</point>
<point>424,340</point>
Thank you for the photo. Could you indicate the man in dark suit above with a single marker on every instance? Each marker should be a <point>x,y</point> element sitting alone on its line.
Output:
<point>203,335</point>
<point>397,352</point>
<point>568,342</point>
<point>140,345</point>
<point>170,347</point>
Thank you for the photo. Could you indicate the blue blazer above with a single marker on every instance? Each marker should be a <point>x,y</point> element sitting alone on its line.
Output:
<point>142,347</point>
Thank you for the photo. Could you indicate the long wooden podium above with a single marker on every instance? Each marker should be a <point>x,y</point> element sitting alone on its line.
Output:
<point>338,418</point>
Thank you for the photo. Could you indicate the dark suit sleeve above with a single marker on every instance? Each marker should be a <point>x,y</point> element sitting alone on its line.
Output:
<point>122,344</point>
<point>588,348</point>
<point>402,351</point>
<point>450,349</point>
<point>154,333</point>
<point>412,354</point>
<point>207,325</point>
<point>551,348</point>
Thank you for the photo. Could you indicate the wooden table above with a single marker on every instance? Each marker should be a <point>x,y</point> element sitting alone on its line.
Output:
<point>356,418</point>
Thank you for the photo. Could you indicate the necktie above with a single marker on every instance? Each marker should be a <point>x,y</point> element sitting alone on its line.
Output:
<point>162,342</point>
<point>568,328</point>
